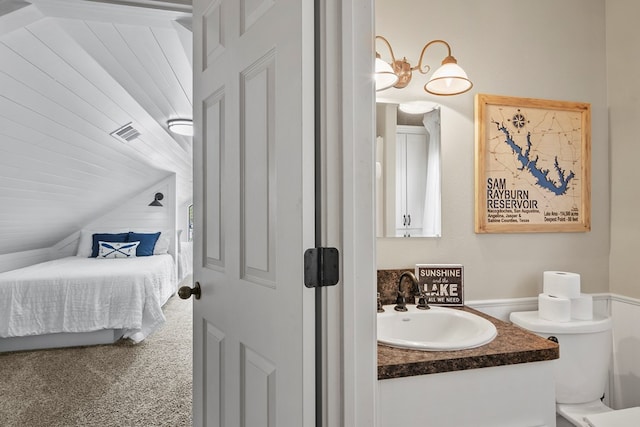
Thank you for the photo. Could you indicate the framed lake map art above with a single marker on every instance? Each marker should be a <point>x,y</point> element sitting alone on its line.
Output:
<point>532,165</point>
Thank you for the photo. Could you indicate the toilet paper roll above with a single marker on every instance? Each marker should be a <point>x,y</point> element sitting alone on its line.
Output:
<point>555,309</point>
<point>561,284</point>
<point>582,307</point>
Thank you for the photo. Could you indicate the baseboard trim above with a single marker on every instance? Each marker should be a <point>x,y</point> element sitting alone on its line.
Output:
<point>501,308</point>
<point>506,302</point>
<point>625,300</point>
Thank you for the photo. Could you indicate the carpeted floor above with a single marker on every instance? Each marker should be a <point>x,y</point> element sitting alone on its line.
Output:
<point>148,384</point>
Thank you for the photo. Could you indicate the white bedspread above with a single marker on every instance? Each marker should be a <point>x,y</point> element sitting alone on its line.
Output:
<point>77,294</point>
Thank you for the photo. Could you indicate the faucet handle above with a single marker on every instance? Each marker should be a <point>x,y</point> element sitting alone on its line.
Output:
<point>422,301</point>
<point>401,303</point>
<point>380,309</point>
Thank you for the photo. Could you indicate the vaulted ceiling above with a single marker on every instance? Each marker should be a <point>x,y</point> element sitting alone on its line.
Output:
<point>71,73</point>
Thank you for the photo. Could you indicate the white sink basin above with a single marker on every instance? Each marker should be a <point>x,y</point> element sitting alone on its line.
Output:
<point>436,329</point>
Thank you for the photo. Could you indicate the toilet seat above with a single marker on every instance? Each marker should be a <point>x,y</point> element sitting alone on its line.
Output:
<point>629,417</point>
<point>576,413</point>
<point>597,414</point>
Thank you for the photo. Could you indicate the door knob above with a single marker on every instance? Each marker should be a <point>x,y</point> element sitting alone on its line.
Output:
<point>185,292</point>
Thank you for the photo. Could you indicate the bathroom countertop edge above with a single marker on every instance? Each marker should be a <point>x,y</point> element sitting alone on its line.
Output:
<point>513,345</point>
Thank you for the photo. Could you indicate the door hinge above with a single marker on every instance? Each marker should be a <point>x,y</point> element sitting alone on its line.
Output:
<point>321,267</point>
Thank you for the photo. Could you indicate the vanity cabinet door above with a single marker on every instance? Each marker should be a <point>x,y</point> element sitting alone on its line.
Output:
<point>411,179</point>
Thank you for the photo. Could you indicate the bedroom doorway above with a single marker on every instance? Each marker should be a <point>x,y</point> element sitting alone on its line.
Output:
<point>93,43</point>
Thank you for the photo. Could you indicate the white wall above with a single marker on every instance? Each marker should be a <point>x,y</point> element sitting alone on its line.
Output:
<point>623,68</point>
<point>543,49</point>
<point>623,65</point>
<point>23,259</point>
<point>67,82</point>
<point>133,214</point>
<point>182,224</point>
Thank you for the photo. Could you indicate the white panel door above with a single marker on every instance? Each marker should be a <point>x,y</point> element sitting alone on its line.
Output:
<point>254,211</point>
<point>411,179</point>
<point>416,181</point>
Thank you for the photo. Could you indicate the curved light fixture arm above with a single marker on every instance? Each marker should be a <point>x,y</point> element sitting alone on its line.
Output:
<point>393,58</point>
<point>420,67</point>
<point>448,79</point>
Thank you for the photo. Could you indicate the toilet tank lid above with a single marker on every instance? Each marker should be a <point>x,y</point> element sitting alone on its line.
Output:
<point>530,320</point>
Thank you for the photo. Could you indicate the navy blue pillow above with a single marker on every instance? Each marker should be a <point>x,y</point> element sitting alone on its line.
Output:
<point>147,242</point>
<point>106,237</point>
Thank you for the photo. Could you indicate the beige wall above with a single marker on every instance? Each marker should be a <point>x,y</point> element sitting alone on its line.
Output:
<point>623,69</point>
<point>539,49</point>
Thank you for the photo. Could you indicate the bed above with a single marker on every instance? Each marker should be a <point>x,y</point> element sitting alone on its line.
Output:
<point>81,300</point>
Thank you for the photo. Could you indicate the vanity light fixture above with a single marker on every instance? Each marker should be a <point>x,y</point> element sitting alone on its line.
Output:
<point>385,76</point>
<point>449,79</point>
<point>181,126</point>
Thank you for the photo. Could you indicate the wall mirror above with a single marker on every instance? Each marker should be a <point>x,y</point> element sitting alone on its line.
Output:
<point>407,172</point>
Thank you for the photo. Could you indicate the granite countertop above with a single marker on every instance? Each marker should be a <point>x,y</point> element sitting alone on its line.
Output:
<point>511,346</point>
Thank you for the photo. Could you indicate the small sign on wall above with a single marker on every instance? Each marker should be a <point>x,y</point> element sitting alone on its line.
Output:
<point>442,283</point>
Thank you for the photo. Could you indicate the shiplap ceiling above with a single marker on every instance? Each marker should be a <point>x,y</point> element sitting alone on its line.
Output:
<point>72,72</point>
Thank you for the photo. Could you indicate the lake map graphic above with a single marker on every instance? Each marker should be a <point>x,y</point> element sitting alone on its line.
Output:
<point>534,165</point>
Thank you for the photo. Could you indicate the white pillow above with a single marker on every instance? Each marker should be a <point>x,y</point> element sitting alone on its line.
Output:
<point>117,250</point>
<point>84,244</point>
<point>162,245</point>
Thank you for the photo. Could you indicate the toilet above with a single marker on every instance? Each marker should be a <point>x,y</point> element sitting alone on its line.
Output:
<point>582,370</point>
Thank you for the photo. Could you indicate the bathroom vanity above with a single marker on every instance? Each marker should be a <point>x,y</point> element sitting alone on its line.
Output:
<point>506,383</point>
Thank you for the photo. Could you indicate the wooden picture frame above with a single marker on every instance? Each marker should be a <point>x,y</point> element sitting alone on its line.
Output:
<point>532,165</point>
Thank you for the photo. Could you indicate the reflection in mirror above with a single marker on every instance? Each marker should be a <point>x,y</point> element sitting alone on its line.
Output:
<point>407,172</point>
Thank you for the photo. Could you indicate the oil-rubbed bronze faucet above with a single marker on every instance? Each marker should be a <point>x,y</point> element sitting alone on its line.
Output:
<point>401,303</point>
<point>380,309</point>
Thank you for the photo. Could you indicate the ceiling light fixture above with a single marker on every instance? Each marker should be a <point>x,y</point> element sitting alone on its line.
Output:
<point>418,107</point>
<point>181,126</point>
<point>449,79</point>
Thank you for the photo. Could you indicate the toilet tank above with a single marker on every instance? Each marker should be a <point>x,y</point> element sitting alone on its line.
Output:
<point>585,353</point>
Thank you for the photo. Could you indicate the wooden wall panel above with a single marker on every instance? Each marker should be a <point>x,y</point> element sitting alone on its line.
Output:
<point>132,214</point>
<point>71,73</point>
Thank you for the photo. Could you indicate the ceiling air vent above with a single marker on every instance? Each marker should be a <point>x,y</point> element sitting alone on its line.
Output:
<point>126,133</point>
